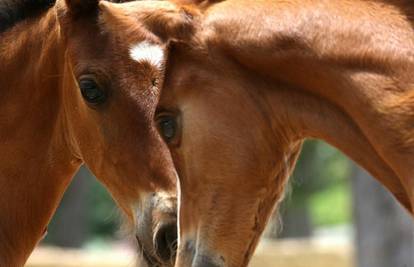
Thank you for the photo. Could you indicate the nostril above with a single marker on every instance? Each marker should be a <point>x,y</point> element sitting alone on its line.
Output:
<point>166,242</point>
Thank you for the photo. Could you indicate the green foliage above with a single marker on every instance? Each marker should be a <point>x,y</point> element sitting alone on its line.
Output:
<point>104,215</point>
<point>319,166</point>
<point>87,212</point>
<point>320,181</point>
<point>331,206</point>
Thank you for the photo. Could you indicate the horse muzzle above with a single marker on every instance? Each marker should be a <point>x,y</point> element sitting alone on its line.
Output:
<point>189,256</point>
<point>156,230</point>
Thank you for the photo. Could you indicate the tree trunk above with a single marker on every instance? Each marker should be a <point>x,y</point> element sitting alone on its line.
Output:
<point>384,230</point>
<point>69,225</point>
<point>297,222</point>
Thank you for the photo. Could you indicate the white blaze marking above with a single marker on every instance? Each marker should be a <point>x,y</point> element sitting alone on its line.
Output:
<point>151,53</point>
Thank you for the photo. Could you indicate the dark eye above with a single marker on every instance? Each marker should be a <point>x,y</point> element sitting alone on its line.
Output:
<point>91,91</point>
<point>167,126</point>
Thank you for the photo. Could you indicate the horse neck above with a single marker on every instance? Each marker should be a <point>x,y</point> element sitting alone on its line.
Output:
<point>346,81</point>
<point>35,164</point>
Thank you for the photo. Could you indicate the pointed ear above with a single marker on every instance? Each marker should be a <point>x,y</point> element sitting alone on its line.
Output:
<point>77,7</point>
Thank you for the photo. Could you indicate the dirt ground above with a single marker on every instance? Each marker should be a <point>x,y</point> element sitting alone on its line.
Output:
<point>290,253</point>
<point>302,253</point>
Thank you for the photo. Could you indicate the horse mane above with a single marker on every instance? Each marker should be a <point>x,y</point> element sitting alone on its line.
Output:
<point>14,11</point>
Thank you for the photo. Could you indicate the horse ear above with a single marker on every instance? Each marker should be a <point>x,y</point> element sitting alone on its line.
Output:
<point>82,6</point>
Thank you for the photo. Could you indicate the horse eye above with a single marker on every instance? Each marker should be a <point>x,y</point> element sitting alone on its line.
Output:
<point>91,91</point>
<point>167,126</point>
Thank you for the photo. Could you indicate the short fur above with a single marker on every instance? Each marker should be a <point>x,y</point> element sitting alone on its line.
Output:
<point>259,77</point>
<point>48,129</point>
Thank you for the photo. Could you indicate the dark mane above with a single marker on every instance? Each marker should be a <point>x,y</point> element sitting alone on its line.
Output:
<point>13,11</point>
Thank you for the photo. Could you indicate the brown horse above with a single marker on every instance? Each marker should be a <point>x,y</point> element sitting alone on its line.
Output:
<point>79,83</point>
<point>255,80</point>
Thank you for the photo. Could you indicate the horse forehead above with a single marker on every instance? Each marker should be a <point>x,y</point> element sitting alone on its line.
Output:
<point>146,51</point>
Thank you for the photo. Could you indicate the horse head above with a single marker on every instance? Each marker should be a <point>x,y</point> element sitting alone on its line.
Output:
<point>241,95</point>
<point>114,63</point>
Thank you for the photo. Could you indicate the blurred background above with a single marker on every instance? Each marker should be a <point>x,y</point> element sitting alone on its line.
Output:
<point>334,214</point>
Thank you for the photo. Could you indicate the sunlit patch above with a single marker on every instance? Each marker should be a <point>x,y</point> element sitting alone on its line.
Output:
<point>147,52</point>
<point>178,207</point>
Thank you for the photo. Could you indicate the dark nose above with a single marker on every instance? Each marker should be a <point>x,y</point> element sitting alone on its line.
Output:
<point>166,242</point>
